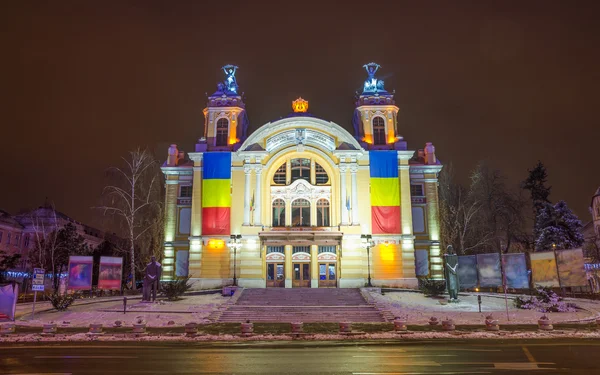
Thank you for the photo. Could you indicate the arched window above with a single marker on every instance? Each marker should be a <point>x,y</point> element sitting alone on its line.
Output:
<point>321,177</point>
<point>378,130</point>
<point>301,213</point>
<point>278,213</point>
<point>280,175</point>
<point>222,132</point>
<point>323,213</point>
<point>300,169</point>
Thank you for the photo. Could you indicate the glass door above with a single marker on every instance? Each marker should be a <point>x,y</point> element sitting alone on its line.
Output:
<point>301,275</point>
<point>275,275</point>
<point>327,275</point>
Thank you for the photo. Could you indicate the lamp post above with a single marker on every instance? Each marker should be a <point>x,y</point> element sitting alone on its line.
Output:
<point>235,243</point>
<point>367,242</point>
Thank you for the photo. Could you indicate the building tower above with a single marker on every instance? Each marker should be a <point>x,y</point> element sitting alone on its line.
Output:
<point>225,118</point>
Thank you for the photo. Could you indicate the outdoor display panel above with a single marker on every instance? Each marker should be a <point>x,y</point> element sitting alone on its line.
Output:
<point>182,263</point>
<point>515,270</point>
<point>422,262</point>
<point>543,269</point>
<point>216,193</point>
<point>8,300</point>
<point>571,268</point>
<point>490,274</point>
<point>110,273</point>
<point>467,271</point>
<point>80,272</point>
<point>385,192</point>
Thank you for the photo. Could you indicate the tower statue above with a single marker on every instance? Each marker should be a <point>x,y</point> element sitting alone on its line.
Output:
<point>230,83</point>
<point>451,274</point>
<point>151,279</point>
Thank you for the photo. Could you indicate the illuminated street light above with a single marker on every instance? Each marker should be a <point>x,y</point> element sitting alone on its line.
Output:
<point>235,243</point>
<point>367,243</point>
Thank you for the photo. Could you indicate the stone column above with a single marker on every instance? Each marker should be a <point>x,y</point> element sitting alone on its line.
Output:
<point>257,195</point>
<point>247,198</point>
<point>288,266</point>
<point>353,171</point>
<point>343,169</point>
<point>314,266</point>
<point>408,239</point>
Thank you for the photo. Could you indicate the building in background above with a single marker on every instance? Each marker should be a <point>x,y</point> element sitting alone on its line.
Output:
<point>290,205</point>
<point>19,233</point>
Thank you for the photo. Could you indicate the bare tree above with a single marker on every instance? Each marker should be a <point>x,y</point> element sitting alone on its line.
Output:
<point>46,244</point>
<point>460,210</point>
<point>130,196</point>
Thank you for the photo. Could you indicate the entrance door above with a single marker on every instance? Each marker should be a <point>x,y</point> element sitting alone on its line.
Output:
<point>301,275</point>
<point>327,275</point>
<point>275,275</point>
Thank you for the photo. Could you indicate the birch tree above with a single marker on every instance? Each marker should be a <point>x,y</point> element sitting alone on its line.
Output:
<point>131,197</point>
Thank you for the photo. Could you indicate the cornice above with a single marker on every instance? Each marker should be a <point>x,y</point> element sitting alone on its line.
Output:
<point>426,168</point>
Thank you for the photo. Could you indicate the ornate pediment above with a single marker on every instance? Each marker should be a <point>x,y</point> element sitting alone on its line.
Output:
<point>300,189</point>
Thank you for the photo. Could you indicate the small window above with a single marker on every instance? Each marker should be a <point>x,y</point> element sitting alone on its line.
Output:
<point>0,237</point>
<point>416,190</point>
<point>300,169</point>
<point>278,213</point>
<point>17,240</point>
<point>8,237</point>
<point>222,132</point>
<point>25,241</point>
<point>275,249</point>
<point>300,249</point>
<point>280,175</point>
<point>186,191</point>
<point>379,131</point>
<point>326,249</point>
<point>323,213</point>
<point>321,176</point>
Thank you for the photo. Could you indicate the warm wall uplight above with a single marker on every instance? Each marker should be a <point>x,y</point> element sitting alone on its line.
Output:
<point>368,139</point>
<point>387,253</point>
<point>300,105</point>
<point>233,141</point>
<point>216,244</point>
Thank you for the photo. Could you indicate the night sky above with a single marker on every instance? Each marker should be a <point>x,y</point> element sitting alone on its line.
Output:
<point>83,82</point>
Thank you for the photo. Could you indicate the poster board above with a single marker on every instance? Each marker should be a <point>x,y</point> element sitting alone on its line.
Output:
<point>515,269</point>
<point>110,273</point>
<point>9,293</point>
<point>543,269</point>
<point>80,272</point>
<point>571,267</point>
<point>467,271</point>
<point>490,274</point>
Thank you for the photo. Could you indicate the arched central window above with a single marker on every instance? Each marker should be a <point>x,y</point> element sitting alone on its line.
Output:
<point>280,175</point>
<point>278,213</point>
<point>301,213</point>
<point>222,130</point>
<point>300,169</point>
<point>321,177</point>
<point>323,213</point>
<point>378,131</point>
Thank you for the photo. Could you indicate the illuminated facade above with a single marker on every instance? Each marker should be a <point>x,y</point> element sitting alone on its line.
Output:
<point>287,205</point>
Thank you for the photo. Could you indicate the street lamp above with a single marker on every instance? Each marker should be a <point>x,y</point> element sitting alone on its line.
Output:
<point>235,243</point>
<point>367,243</point>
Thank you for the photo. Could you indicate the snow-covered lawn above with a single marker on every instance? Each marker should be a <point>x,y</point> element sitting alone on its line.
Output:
<point>159,314</point>
<point>419,309</point>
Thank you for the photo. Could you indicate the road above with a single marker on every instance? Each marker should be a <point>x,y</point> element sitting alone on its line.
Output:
<point>357,358</point>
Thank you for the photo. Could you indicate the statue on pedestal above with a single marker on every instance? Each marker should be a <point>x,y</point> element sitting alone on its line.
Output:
<point>151,279</point>
<point>450,273</point>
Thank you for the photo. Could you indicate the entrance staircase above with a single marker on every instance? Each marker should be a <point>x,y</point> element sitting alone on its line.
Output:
<point>279,305</point>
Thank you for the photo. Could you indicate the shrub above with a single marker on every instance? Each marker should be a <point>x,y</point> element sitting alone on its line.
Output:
<point>62,301</point>
<point>431,287</point>
<point>544,300</point>
<point>176,288</point>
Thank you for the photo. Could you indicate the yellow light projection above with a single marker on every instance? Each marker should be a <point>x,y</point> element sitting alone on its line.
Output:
<point>300,105</point>
<point>216,244</point>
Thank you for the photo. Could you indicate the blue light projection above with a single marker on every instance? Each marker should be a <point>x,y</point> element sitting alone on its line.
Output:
<point>372,84</point>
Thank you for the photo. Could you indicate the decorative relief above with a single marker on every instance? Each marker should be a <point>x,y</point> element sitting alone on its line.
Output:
<point>300,136</point>
<point>275,257</point>
<point>300,189</point>
<point>301,256</point>
<point>326,256</point>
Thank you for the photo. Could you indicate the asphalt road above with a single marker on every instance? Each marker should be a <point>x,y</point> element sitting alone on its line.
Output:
<point>356,358</point>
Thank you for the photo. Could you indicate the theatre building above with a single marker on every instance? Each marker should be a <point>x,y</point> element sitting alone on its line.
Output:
<point>301,202</point>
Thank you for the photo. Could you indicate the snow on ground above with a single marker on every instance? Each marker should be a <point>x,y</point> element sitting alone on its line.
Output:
<point>159,314</point>
<point>418,309</point>
<point>318,337</point>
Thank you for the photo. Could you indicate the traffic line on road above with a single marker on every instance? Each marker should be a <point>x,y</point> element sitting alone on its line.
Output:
<point>404,356</point>
<point>422,373</point>
<point>84,357</point>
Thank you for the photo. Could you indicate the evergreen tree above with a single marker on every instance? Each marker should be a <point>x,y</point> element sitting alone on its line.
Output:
<point>558,228</point>
<point>539,192</point>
